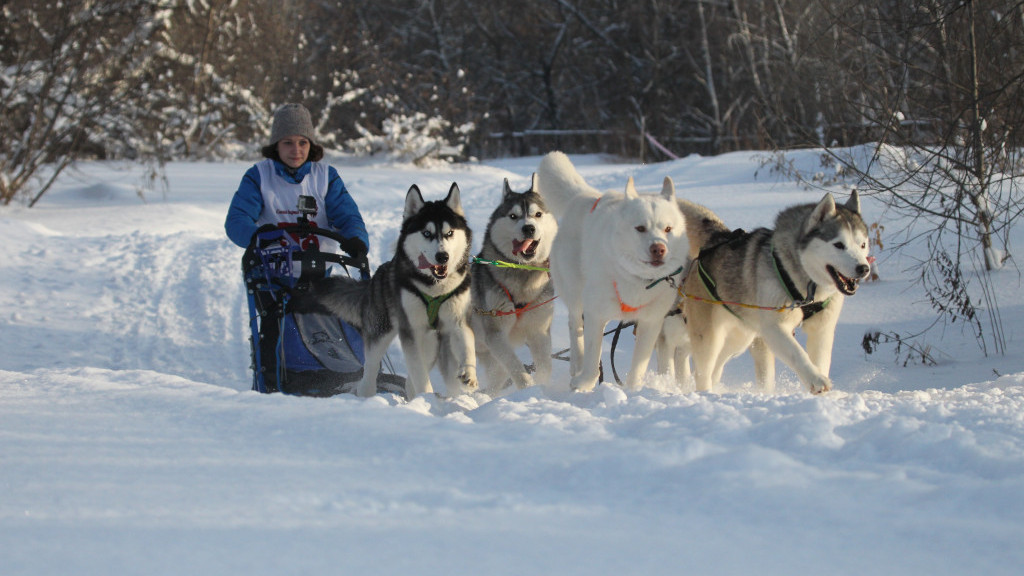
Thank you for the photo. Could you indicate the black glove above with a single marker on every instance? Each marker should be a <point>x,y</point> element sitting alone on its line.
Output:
<point>354,247</point>
<point>260,230</point>
<point>356,250</point>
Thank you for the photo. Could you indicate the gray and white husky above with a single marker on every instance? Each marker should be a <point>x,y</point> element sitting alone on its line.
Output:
<point>616,257</point>
<point>512,305</point>
<point>769,282</point>
<point>421,295</point>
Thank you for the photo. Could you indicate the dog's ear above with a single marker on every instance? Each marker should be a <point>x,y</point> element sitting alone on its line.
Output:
<point>413,202</point>
<point>853,204</point>
<point>824,209</point>
<point>631,189</point>
<point>533,184</point>
<point>507,192</point>
<point>453,201</point>
<point>668,189</point>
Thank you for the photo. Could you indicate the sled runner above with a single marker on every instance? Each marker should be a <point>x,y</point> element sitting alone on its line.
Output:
<point>295,353</point>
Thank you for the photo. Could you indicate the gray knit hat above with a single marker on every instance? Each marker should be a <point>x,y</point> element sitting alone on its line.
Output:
<point>290,120</point>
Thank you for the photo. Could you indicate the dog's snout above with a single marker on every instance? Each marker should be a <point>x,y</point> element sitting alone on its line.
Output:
<point>862,270</point>
<point>529,230</point>
<point>441,257</point>
<point>658,251</point>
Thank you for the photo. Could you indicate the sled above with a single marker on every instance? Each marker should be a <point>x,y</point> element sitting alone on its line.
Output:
<point>293,353</point>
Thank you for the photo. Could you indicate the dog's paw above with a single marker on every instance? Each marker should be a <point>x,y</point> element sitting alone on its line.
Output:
<point>467,377</point>
<point>366,389</point>
<point>633,383</point>
<point>523,380</point>
<point>820,385</point>
<point>581,383</point>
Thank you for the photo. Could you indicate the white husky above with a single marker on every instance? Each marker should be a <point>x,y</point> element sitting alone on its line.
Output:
<point>616,257</point>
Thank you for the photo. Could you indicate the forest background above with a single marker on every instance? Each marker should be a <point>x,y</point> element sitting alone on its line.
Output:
<point>450,80</point>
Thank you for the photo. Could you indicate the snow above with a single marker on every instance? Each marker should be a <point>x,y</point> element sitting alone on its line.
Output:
<point>130,443</point>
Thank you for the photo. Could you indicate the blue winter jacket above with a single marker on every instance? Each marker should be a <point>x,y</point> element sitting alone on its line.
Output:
<point>247,205</point>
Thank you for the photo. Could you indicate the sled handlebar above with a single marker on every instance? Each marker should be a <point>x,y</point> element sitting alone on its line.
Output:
<point>301,230</point>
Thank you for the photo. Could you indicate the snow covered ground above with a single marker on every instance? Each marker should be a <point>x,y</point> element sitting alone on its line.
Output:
<point>131,444</point>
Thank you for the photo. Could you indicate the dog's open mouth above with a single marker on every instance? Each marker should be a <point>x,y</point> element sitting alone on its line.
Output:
<point>845,285</point>
<point>438,270</point>
<point>527,247</point>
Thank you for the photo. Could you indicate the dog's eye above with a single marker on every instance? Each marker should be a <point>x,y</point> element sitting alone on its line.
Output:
<point>449,234</point>
<point>641,229</point>
<point>513,217</point>
<point>840,245</point>
<point>538,214</point>
<point>428,234</point>
<point>668,229</point>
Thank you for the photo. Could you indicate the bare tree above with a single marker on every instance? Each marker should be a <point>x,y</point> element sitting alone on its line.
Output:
<point>948,114</point>
<point>198,97</point>
<point>69,69</point>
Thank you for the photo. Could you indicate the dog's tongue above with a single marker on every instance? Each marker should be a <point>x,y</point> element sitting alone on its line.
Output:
<point>520,246</point>
<point>423,264</point>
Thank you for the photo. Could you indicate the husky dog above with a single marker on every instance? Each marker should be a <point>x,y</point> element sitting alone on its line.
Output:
<point>797,274</point>
<point>512,304</point>
<point>422,295</point>
<point>673,345</point>
<point>616,257</point>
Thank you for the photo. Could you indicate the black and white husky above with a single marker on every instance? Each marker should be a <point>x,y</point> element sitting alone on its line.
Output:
<point>756,288</point>
<point>512,291</point>
<point>422,295</point>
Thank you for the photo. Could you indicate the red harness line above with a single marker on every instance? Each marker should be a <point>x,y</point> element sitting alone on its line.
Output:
<point>518,310</point>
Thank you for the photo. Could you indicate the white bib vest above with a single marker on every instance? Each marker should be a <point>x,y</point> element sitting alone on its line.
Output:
<point>281,197</point>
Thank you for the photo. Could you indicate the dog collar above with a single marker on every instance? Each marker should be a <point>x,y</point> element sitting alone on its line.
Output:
<point>669,278</point>
<point>625,308</point>
<point>807,305</point>
<point>628,309</point>
<point>787,282</point>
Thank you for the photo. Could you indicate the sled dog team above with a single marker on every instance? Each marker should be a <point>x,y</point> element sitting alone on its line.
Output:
<point>694,288</point>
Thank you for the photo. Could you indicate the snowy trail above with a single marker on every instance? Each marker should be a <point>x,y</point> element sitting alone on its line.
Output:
<point>172,303</point>
<point>107,451</point>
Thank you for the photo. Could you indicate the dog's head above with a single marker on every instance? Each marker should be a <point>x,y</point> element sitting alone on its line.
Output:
<point>834,245</point>
<point>435,235</point>
<point>649,232</point>
<point>521,228</point>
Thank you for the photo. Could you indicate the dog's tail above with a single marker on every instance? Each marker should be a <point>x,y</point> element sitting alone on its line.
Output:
<point>335,296</point>
<point>559,182</point>
<point>701,224</point>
